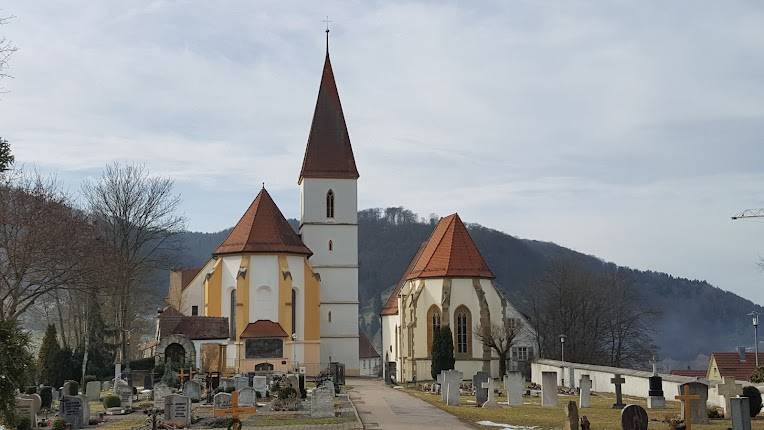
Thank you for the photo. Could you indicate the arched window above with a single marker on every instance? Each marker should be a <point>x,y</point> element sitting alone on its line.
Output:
<point>330,204</point>
<point>433,326</point>
<point>331,246</point>
<point>294,311</point>
<point>232,315</point>
<point>463,334</point>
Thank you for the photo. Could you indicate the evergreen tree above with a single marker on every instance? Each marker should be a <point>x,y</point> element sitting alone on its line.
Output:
<point>6,158</point>
<point>15,368</point>
<point>442,351</point>
<point>48,356</point>
<point>100,351</point>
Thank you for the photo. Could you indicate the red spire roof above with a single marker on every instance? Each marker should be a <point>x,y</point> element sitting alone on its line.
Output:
<point>450,253</point>
<point>328,153</point>
<point>263,229</point>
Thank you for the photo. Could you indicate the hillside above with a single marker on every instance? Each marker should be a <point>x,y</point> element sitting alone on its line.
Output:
<point>696,317</point>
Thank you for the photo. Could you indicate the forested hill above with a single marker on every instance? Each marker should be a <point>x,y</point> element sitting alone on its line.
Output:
<point>695,317</point>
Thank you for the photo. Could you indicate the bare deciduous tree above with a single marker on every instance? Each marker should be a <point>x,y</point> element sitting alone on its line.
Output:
<point>501,338</point>
<point>7,48</point>
<point>135,214</point>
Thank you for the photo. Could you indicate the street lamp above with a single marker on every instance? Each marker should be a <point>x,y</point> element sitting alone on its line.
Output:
<point>294,350</point>
<point>562,357</point>
<point>755,320</point>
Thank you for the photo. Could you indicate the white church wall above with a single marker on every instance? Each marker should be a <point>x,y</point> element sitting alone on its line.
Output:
<point>431,295</point>
<point>389,348</point>
<point>344,244</point>
<point>338,284</point>
<point>313,198</point>
<point>263,275</point>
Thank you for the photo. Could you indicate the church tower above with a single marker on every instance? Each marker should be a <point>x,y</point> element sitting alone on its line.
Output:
<point>329,223</point>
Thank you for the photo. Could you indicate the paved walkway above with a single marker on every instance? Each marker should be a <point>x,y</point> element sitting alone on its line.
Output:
<point>382,407</point>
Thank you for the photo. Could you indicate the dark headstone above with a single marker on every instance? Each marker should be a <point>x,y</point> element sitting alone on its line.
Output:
<point>585,424</point>
<point>148,381</point>
<point>46,397</point>
<point>571,416</point>
<point>301,382</point>
<point>71,411</point>
<point>656,386</point>
<point>337,370</point>
<point>617,380</point>
<point>633,417</point>
<point>481,394</point>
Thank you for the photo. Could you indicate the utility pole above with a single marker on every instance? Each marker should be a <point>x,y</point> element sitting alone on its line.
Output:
<point>755,320</point>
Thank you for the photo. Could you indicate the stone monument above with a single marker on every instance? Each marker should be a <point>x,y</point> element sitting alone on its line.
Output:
<point>548,389</point>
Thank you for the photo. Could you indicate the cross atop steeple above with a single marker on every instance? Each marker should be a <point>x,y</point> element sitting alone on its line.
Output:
<point>327,22</point>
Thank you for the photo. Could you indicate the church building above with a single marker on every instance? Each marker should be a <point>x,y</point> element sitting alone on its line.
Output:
<point>288,299</point>
<point>448,283</point>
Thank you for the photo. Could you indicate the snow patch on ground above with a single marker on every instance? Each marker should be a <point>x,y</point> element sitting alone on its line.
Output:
<point>504,426</point>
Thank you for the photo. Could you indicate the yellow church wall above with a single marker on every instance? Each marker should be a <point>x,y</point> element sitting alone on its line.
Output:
<point>312,306</point>
<point>212,291</point>
<point>242,297</point>
<point>285,295</point>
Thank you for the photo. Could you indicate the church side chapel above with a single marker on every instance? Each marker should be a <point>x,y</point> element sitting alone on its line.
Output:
<point>270,299</point>
<point>448,283</point>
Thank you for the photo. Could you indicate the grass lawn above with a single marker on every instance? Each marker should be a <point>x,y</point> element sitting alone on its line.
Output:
<point>601,415</point>
<point>275,420</point>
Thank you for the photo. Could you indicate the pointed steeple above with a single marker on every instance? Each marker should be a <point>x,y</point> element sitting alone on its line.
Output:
<point>328,153</point>
<point>449,253</point>
<point>263,229</point>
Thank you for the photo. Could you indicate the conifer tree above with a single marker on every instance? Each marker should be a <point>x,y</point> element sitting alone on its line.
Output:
<point>442,351</point>
<point>15,360</point>
<point>48,356</point>
<point>6,158</point>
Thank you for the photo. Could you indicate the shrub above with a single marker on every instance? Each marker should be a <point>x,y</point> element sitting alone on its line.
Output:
<point>758,376</point>
<point>754,399</point>
<point>59,424</point>
<point>111,401</point>
<point>442,352</point>
<point>23,423</point>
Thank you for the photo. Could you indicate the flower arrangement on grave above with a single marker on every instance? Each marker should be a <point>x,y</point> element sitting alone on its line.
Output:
<point>286,398</point>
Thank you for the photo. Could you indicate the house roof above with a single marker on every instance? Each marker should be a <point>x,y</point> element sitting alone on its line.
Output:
<point>193,327</point>
<point>188,275</point>
<point>263,328</point>
<point>328,153</point>
<point>450,253</point>
<point>729,364</point>
<point>691,373</point>
<point>365,348</point>
<point>263,229</point>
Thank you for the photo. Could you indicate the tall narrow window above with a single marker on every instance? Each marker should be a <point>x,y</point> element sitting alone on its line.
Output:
<point>330,316</point>
<point>433,326</point>
<point>463,330</point>
<point>330,204</point>
<point>232,314</point>
<point>294,311</point>
<point>331,246</point>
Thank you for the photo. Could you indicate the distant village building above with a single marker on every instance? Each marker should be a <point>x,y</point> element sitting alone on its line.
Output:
<point>448,283</point>
<point>269,298</point>
<point>739,365</point>
<point>371,363</point>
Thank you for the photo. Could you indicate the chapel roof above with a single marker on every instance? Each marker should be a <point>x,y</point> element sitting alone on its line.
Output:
<point>328,153</point>
<point>450,252</point>
<point>263,229</point>
<point>188,275</point>
<point>730,365</point>
<point>365,348</point>
<point>193,327</point>
<point>263,328</point>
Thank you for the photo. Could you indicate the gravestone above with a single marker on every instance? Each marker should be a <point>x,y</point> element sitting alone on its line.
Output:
<point>247,396</point>
<point>93,390</point>
<point>26,408</point>
<point>571,415</point>
<point>301,382</point>
<point>85,410</point>
<point>177,410</point>
<point>192,390</point>
<point>441,381</point>
<point>160,392</point>
<point>452,380</point>
<point>585,391</point>
<point>330,384</point>
<point>728,390</point>
<point>125,394</point>
<point>71,388</point>
<point>617,380</point>
<point>548,389</point>
<point>226,383</point>
<point>633,417</point>
<point>240,382</point>
<point>322,402</point>
<point>46,396</point>
<point>148,381</point>
<point>655,398</point>
<point>71,410</point>
<point>698,408</point>
<point>294,383</point>
<point>260,384</point>
<point>490,401</point>
<point>36,401</point>
<point>221,401</point>
<point>337,370</point>
<point>740,413</point>
<point>481,392</point>
<point>116,383</point>
<point>514,385</point>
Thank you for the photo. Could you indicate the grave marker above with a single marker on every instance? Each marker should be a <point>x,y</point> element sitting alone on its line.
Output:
<point>452,379</point>
<point>728,390</point>
<point>247,396</point>
<point>260,384</point>
<point>125,394</point>
<point>655,399</point>
<point>585,393</point>
<point>322,402</point>
<point>160,392</point>
<point>71,410</point>
<point>633,417</point>
<point>548,389</point>
<point>25,408</point>
<point>233,409</point>
<point>699,408</point>
<point>481,393</point>
<point>686,400</point>
<point>617,380</point>
<point>93,390</point>
<point>571,415</point>
<point>240,382</point>
<point>740,413</point>
<point>491,400</point>
<point>514,385</point>
<point>221,401</point>
<point>177,410</point>
<point>192,390</point>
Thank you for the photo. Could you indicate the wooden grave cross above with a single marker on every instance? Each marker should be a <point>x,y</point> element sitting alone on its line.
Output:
<point>182,374</point>
<point>687,399</point>
<point>235,409</point>
<point>728,390</point>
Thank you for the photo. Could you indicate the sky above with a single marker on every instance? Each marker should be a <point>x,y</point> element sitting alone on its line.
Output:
<point>627,130</point>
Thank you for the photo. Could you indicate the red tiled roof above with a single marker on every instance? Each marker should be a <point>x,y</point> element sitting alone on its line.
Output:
<point>328,153</point>
<point>263,229</point>
<point>188,275</point>
<point>263,328</point>
<point>391,306</point>
<point>729,364</point>
<point>690,373</point>
<point>365,348</point>
<point>193,327</point>
<point>450,253</point>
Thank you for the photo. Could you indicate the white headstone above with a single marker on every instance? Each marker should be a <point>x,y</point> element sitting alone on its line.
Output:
<point>193,390</point>
<point>491,400</point>
<point>221,401</point>
<point>125,394</point>
<point>548,389</point>
<point>452,379</point>
<point>93,390</point>
<point>160,392</point>
<point>514,386</point>
<point>585,395</point>
<point>728,390</point>
<point>260,384</point>
<point>25,408</point>
<point>247,396</point>
<point>322,402</point>
<point>177,409</point>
